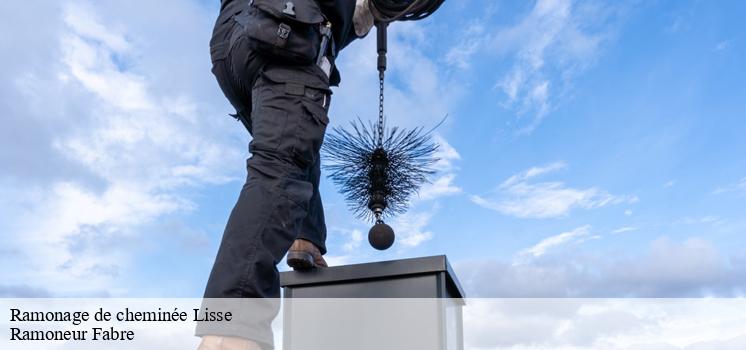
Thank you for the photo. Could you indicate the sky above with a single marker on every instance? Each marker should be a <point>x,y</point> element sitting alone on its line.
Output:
<point>590,149</point>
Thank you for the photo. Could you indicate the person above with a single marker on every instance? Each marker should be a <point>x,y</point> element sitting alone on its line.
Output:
<point>279,210</point>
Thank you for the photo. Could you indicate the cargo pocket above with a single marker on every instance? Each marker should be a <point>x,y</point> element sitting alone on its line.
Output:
<point>310,132</point>
<point>304,97</point>
<point>270,116</point>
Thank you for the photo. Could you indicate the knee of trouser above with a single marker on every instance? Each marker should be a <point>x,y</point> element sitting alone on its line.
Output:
<point>274,165</point>
<point>281,176</point>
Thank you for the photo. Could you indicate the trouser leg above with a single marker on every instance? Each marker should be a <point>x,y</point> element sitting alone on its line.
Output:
<point>260,229</point>
<point>288,125</point>
<point>262,226</point>
<point>313,228</point>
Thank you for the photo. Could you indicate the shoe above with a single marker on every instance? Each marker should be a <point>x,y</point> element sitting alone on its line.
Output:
<point>303,255</point>
<point>213,342</point>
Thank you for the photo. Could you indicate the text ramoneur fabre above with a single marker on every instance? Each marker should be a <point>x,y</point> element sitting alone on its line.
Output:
<point>110,333</point>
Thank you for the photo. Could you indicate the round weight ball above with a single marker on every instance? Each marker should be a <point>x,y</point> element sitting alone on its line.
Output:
<point>381,236</point>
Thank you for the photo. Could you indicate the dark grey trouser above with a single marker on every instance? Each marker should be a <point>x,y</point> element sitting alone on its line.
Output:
<point>280,200</point>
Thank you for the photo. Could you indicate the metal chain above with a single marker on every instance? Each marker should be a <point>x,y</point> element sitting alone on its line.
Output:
<point>380,110</point>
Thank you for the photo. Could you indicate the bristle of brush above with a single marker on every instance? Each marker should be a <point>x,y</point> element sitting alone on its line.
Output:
<point>348,159</point>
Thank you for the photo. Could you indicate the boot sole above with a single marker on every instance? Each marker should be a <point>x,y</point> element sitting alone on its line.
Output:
<point>300,260</point>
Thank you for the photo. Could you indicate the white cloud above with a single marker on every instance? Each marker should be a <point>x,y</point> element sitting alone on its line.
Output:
<point>23,291</point>
<point>356,238</point>
<point>443,184</point>
<point>344,245</point>
<point>519,197</point>
<point>667,268</point>
<point>473,38</point>
<point>704,220</point>
<point>625,229</point>
<point>411,228</point>
<point>594,323</point>
<point>534,172</point>
<point>722,45</point>
<point>138,143</point>
<point>547,48</point>
<point>446,155</point>
<point>551,38</point>
<point>737,188</point>
<point>338,260</point>
<point>84,21</point>
<point>563,238</point>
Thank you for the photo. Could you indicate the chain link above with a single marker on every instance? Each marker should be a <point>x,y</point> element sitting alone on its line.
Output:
<point>380,110</point>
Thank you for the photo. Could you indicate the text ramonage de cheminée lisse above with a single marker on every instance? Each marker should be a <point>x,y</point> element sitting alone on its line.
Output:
<point>76,318</point>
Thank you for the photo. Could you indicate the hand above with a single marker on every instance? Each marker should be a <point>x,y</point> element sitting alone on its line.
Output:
<point>362,19</point>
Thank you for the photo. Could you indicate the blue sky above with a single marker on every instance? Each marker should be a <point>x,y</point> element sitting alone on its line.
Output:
<point>592,148</point>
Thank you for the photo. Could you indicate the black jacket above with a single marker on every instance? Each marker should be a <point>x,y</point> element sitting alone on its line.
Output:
<point>338,12</point>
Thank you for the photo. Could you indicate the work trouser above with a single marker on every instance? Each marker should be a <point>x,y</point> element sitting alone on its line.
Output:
<point>285,108</point>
